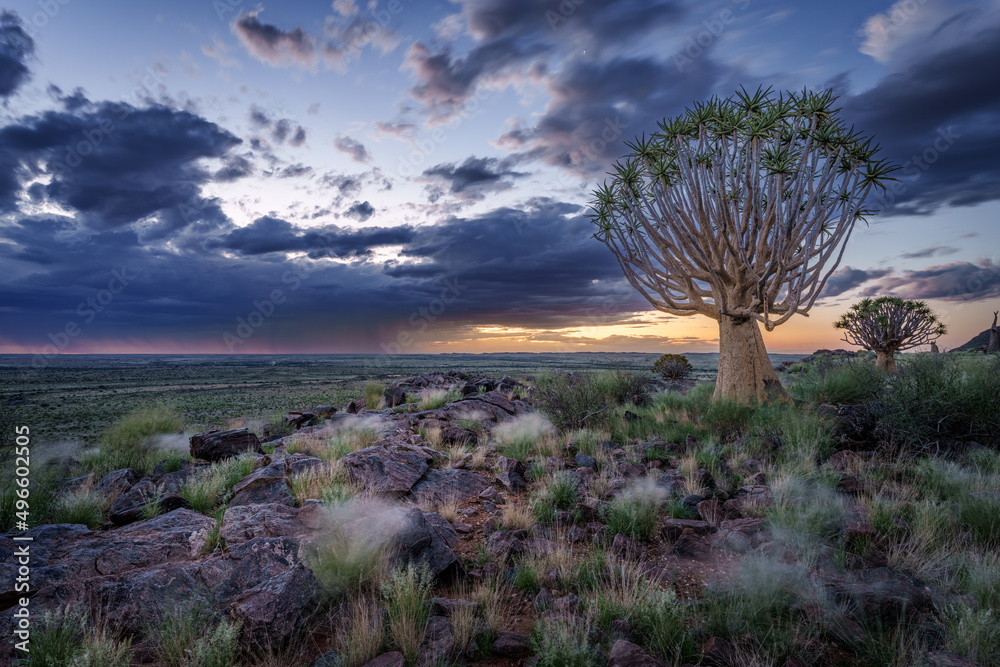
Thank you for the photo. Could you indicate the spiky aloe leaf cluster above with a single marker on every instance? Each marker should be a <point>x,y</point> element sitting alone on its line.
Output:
<point>755,193</point>
<point>889,324</point>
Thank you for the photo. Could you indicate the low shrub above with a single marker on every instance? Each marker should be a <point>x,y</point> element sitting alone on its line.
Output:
<point>839,381</point>
<point>673,367</point>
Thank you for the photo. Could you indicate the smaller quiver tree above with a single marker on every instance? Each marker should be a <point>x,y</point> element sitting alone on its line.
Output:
<point>994,345</point>
<point>887,325</point>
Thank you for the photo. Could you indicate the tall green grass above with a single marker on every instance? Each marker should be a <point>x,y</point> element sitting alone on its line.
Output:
<point>129,443</point>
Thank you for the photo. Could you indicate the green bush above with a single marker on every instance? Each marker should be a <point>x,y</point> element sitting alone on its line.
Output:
<point>839,381</point>
<point>939,398</point>
<point>632,515</point>
<point>564,642</point>
<point>673,367</point>
<point>583,400</point>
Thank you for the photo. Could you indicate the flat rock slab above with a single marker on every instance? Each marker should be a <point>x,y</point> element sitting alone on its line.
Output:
<point>391,470</point>
<point>246,522</point>
<point>450,484</point>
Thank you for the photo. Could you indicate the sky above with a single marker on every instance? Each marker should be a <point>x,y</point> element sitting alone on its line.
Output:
<point>408,176</point>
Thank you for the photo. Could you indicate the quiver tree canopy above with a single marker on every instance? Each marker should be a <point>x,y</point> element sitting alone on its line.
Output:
<point>888,325</point>
<point>739,209</point>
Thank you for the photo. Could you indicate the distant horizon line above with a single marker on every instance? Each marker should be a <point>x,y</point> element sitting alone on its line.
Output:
<point>376,354</point>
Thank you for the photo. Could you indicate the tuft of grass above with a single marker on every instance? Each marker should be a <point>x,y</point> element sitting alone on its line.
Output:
<point>980,514</point>
<point>494,600</point>
<point>331,485</point>
<point>345,563</point>
<point>374,394</point>
<point>564,642</point>
<point>633,513</point>
<point>515,515</point>
<point>207,489</point>
<point>728,419</point>
<point>980,578</point>
<point>362,635</point>
<point>407,596</point>
<point>519,438</point>
<point>84,505</point>
<point>101,649</point>
<point>350,437</point>
<point>187,636</point>
<point>464,626</point>
<point>974,633</point>
<point>432,399</point>
<point>130,443</point>
<point>214,539</point>
<point>57,640</point>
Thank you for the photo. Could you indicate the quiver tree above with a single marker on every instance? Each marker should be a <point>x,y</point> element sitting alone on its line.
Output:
<point>887,325</point>
<point>739,210</point>
<point>993,345</point>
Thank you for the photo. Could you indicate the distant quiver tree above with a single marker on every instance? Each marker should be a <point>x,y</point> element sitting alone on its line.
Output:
<point>739,210</point>
<point>889,324</point>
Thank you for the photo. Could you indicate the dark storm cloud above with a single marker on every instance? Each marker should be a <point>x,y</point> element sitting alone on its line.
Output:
<point>273,45</point>
<point>937,117</point>
<point>475,177</point>
<point>586,123</point>
<point>352,147</point>
<point>267,235</point>
<point>360,211</point>
<point>516,36</point>
<point>114,163</point>
<point>529,265</point>
<point>957,281</point>
<point>847,278</point>
<point>16,48</point>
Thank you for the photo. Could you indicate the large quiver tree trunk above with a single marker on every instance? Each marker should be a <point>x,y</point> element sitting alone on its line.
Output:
<point>745,372</point>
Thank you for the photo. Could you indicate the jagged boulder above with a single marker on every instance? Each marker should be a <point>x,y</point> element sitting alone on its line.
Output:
<point>218,445</point>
